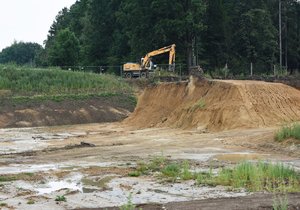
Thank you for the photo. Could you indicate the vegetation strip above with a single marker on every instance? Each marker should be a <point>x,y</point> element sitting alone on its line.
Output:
<point>23,81</point>
<point>254,177</point>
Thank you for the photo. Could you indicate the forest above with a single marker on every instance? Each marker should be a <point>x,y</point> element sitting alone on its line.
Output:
<point>211,33</point>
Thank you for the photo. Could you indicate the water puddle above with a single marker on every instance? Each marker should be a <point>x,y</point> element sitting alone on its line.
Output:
<point>70,183</point>
<point>54,186</point>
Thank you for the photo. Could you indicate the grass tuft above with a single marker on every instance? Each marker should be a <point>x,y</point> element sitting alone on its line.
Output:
<point>291,131</point>
<point>280,203</point>
<point>60,198</point>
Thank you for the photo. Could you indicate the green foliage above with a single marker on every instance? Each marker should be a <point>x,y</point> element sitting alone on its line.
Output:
<point>290,131</point>
<point>61,198</point>
<point>166,169</point>
<point>214,33</point>
<point>171,170</point>
<point>186,174</point>
<point>256,177</point>
<point>65,49</point>
<point>134,174</point>
<point>20,53</point>
<point>22,81</point>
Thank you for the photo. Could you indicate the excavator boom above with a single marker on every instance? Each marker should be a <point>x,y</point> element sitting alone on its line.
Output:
<point>142,69</point>
<point>170,49</point>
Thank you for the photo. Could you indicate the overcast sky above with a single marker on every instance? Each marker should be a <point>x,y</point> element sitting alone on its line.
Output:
<point>28,20</point>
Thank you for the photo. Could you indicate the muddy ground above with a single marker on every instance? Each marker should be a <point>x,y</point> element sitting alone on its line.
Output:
<point>52,161</point>
<point>212,125</point>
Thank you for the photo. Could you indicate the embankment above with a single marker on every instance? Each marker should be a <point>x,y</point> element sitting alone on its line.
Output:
<point>216,105</point>
<point>65,112</point>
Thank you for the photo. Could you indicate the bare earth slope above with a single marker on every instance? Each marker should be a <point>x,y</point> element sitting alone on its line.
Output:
<point>66,112</point>
<point>216,105</point>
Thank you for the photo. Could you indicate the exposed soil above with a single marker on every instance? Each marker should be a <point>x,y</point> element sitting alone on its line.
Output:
<point>49,113</point>
<point>216,105</point>
<point>258,201</point>
<point>212,124</point>
<point>114,153</point>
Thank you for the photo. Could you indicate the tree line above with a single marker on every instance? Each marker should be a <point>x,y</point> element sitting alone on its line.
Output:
<point>211,33</point>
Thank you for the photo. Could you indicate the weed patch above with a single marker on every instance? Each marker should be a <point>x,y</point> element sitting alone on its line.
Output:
<point>60,198</point>
<point>291,131</point>
<point>256,177</point>
<point>165,169</point>
<point>280,203</point>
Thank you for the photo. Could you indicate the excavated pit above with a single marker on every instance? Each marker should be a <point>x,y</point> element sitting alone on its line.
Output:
<point>216,105</point>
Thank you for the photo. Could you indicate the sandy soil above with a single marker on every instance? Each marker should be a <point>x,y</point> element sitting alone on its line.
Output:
<point>216,105</point>
<point>89,164</point>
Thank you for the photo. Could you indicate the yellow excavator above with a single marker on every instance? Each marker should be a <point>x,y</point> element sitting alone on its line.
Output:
<point>142,70</point>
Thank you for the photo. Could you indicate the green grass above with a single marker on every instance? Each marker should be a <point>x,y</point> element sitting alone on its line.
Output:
<point>256,177</point>
<point>23,81</point>
<point>60,198</point>
<point>286,132</point>
<point>166,169</point>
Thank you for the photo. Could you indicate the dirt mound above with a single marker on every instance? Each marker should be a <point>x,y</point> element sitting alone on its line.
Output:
<point>67,112</point>
<point>216,105</point>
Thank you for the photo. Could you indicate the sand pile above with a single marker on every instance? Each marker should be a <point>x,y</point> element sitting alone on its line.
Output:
<point>216,105</point>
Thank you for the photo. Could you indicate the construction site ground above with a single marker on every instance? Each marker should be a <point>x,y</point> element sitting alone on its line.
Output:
<point>88,164</point>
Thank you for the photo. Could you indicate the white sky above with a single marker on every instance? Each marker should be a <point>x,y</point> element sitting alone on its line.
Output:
<point>28,20</point>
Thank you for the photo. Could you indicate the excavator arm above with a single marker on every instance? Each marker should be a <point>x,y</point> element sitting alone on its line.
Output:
<point>170,49</point>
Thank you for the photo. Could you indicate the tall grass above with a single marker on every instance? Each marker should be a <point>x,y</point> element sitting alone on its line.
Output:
<point>290,131</point>
<point>257,177</point>
<point>24,81</point>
